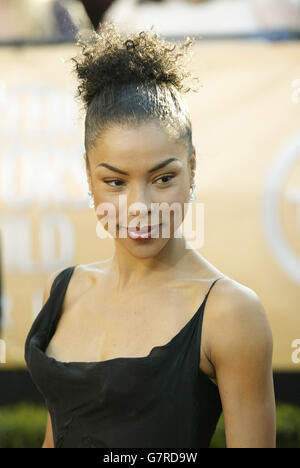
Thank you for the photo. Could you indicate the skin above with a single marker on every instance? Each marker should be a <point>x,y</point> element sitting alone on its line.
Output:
<point>236,346</point>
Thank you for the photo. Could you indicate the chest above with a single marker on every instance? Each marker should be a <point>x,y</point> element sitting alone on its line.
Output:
<point>98,329</point>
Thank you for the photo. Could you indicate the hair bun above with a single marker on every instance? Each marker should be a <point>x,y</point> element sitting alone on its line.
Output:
<point>109,58</point>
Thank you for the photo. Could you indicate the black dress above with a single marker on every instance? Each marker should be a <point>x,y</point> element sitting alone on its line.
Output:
<point>163,400</point>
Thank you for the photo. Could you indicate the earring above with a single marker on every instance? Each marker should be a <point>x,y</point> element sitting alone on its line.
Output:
<point>192,195</point>
<point>91,200</point>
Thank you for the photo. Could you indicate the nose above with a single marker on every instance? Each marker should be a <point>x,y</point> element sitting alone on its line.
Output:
<point>139,201</point>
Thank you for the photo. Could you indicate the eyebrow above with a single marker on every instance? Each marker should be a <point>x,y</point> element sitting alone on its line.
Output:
<point>155,168</point>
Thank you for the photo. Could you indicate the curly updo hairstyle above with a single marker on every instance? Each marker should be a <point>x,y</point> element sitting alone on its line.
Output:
<point>130,79</point>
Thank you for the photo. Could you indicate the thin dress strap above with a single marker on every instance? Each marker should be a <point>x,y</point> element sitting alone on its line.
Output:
<point>46,320</point>
<point>58,289</point>
<point>205,298</point>
<point>60,277</point>
<point>198,327</point>
<point>212,286</point>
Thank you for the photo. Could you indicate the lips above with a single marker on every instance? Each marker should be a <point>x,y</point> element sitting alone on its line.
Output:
<point>144,235</point>
<point>138,233</point>
<point>141,230</point>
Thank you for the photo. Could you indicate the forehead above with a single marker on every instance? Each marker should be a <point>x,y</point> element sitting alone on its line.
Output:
<point>145,143</point>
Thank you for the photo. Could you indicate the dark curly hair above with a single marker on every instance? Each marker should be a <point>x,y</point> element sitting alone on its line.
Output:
<point>132,78</point>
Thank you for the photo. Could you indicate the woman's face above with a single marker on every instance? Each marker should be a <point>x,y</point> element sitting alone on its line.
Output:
<point>133,154</point>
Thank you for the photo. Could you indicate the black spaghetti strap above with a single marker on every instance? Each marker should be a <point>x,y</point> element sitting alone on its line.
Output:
<point>59,288</point>
<point>60,276</point>
<point>203,307</point>
<point>212,286</point>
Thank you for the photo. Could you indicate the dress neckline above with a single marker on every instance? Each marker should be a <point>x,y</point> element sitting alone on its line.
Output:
<point>120,358</point>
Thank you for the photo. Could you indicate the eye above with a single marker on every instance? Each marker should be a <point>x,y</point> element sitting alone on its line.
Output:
<point>119,183</point>
<point>167,176</point>
<point>108,182</point>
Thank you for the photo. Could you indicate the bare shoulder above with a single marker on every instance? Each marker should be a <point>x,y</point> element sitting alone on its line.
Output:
<point>49,283</point>
<point>84,278</point>
<point>233,299</point>
<point>80,280</point>
<point>239,303</point>
<point>238,320</point>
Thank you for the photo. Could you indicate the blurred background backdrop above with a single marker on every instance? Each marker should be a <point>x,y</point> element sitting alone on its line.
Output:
<point>246,130</point>
<point>59,20</point>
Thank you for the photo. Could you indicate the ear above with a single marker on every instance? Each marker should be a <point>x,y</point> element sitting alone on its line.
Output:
<point>87,170</point>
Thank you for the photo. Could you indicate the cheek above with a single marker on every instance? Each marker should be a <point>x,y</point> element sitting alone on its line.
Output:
<point>179,195</point>
<point>106,210</point>
<point>177,202</point>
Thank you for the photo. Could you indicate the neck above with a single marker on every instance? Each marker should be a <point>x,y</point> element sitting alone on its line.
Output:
<point>131,271</point>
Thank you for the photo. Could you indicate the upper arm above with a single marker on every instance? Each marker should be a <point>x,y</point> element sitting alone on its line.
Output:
<point>48,440</point>
<point>242,356</point>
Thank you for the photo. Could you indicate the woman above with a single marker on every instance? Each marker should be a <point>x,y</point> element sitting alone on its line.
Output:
<point>122,350</point>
